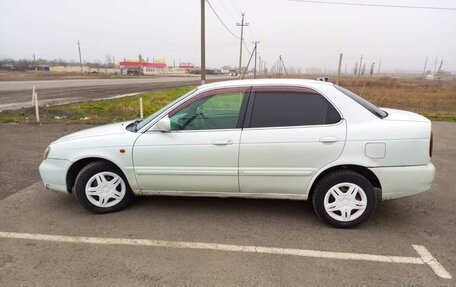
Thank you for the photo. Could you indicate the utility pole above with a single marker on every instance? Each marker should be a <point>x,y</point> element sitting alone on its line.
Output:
<point>435,65</point>
<point>248,63</point>
<point>80,58</point>
<point>34,62</point>
<point>255,60</point>
<point>424,70</point>
<point>242,24</point>
<point>438,72</point>
<point>360,65</point>
<point>203,43</point>
<point>379,65</point>
<point>338,70</point>
<point>259,65</point>
<point>283,64</point>
<point>372,69</point>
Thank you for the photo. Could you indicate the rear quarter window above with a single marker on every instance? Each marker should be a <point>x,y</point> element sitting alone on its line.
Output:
<point>366,104</point>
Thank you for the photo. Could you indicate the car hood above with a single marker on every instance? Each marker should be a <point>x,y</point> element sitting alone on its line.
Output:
<point>110,129</point>
<point>400,115</point>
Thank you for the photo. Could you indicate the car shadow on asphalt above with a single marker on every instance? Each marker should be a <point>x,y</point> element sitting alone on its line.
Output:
<point>208,206</point>
<point>389,214</point>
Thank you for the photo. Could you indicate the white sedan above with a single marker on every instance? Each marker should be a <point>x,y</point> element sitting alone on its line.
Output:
<point>283,139</point>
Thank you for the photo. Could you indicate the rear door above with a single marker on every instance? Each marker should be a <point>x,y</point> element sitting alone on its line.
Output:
<point>289,134</point>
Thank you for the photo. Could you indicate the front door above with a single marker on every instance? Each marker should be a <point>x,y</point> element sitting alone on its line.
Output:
<point>201,152</point>
<point>289,134</point>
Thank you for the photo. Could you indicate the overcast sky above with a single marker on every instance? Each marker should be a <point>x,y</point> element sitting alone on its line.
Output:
<point>305,34</point>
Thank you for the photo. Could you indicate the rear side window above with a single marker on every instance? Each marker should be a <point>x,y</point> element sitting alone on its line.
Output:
<point>281,109</point>
<point>367,105</point>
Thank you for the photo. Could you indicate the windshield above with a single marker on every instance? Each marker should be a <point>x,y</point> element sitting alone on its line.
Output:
<point>367,105</point>
<point>145,121</point>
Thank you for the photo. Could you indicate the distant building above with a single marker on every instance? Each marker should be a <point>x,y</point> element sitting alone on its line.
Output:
<point>187,66</point>
<point>143,67</point>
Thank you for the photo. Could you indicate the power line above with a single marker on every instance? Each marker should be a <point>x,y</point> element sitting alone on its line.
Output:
<point>236,6</point>
<point>227,10</point>
<point>375,5</point>
<point>246,47</point>
<point>221,21</point>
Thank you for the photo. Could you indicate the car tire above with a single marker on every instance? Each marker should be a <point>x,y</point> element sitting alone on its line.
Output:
<point>101,187</point>
<point>344,199</point>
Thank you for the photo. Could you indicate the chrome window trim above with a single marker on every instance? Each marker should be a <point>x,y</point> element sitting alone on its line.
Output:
<point>298,127</point>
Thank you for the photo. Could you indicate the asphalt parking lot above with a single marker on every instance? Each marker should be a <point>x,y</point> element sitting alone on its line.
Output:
<point>166,241</point>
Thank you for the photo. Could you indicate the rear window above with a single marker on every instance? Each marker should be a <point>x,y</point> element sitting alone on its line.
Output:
<point>367,105</point>
<point>281,109</point>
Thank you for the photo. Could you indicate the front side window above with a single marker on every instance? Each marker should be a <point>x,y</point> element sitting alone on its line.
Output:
<point>219,111</point>
<point>281,109</point>
<point>147,120</point>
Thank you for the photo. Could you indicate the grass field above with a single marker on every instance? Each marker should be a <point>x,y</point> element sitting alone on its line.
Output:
<point>97,112</point>
<point>434,99</point>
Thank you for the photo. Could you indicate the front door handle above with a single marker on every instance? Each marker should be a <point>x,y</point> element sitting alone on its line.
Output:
<point>329,139</point>
<point>222,142</point>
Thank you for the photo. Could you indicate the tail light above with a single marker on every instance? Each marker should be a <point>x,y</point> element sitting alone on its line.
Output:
<point>431,144</point>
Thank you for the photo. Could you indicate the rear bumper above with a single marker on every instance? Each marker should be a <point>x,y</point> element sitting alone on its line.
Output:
<point>53,173</point>
<point>404,181</point>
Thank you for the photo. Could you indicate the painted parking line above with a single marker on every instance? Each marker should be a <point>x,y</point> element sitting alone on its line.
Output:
<point>425,255</point>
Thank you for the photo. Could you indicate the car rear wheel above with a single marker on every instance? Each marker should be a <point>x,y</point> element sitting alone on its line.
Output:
<point>344,199</point>
<point>101,187</point>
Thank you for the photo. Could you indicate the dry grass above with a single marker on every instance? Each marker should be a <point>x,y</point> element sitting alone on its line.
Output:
<point>435,99</point>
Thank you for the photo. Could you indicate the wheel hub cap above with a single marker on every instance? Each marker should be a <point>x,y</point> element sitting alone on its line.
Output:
<point>345,202</point>
<point>105,189</point>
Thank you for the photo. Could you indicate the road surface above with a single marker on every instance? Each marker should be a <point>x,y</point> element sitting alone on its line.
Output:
<point>17,94</point>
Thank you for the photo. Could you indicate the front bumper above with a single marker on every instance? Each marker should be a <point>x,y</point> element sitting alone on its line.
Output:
<point>53,173</point>
<point>404,181</point>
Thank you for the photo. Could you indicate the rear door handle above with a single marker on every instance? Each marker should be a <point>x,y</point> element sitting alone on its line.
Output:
<point>222,142</point>
<point>329,139</point>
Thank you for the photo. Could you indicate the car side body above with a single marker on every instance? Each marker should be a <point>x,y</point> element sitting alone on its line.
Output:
<point>254,158</point>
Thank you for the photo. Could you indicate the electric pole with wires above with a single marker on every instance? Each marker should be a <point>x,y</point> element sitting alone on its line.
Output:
<point>283,64</point>
<point>80,58</point>
<point>203,43</point>
<point>255,60</point>
<point>242,25</point>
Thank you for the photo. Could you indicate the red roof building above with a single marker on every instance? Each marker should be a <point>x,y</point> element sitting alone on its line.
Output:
<point>137,64</point>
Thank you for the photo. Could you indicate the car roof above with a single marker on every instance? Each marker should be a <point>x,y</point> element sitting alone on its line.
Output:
<point>264,82</point>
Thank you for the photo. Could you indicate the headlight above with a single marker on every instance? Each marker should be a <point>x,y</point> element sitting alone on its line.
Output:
<point>46,152</point>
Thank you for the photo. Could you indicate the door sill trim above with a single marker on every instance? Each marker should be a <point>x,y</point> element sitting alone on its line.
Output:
<point>221,194</point>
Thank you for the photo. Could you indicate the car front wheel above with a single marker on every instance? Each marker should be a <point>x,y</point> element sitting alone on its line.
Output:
<point>101,187</point>
<point>344,199</point>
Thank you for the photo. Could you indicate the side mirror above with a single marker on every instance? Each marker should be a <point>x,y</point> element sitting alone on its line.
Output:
<point>163,125</point>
